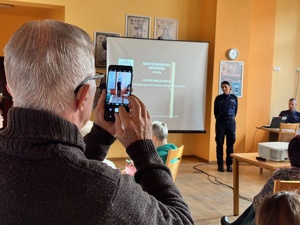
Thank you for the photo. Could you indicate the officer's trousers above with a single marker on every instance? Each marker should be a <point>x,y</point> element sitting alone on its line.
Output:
<point>225,127</point>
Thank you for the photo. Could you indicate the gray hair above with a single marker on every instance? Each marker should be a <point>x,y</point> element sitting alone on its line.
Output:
<point>44,62</point>
<point>160,130</point>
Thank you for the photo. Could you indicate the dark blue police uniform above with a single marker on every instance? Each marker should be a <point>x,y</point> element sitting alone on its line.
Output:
<point>291,116</point>
<point>225,109</point>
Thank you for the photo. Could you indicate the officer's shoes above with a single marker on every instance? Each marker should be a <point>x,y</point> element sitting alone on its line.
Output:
<point>221,169</point>
<point>229,168</point>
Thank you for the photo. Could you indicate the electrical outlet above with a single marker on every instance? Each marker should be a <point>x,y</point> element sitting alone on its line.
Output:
<point>298,70</point>
<point>276,68</point>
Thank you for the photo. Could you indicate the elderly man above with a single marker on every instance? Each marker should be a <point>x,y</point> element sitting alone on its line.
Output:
<point>49,173</point>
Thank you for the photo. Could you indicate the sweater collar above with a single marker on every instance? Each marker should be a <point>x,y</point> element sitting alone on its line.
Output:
<point>38,132</point>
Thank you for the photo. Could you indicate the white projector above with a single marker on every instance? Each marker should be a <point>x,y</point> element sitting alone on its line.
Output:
<point>276,151</point>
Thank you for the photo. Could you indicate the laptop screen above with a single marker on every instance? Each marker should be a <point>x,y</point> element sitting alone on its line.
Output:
<point>275,123</point>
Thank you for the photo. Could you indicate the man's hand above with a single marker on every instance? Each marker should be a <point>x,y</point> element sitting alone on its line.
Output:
<point>99,115</point>
<point>135,125</point>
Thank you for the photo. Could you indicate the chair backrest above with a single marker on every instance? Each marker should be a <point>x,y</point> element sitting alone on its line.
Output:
<point>174,154</point>
<point>286,185</point>
<point>287,131</point>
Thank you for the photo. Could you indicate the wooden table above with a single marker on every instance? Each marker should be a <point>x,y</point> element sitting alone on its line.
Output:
<point>273,133</point>
<point>249,158</point>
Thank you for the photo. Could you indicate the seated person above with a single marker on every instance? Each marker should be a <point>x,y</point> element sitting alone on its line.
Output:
<point>129,168</point>
<point>160,140</point>
<point>280,208</point>
<point>292,173</point>
<point>292,115</point>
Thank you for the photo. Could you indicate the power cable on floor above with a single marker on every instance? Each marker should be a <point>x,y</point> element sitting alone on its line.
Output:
<point>215,181</point>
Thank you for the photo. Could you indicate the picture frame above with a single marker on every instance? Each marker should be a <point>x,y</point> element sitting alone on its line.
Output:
<point>100,45</point>
<point>232,71</point>
<point>137,26</point>
<point>165,28</point>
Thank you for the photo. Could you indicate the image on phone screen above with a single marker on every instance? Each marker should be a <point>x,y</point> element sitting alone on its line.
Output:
<point>118,88</point>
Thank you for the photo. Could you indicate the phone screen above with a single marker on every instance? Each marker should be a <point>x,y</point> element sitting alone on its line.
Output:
<point>118,88</point>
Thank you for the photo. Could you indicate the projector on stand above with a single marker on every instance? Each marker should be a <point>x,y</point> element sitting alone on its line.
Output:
<point>276,151</point>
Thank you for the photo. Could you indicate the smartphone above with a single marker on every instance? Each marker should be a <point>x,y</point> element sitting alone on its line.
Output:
<point>118,88</point>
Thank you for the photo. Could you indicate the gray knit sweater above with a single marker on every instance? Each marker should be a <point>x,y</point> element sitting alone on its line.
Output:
<point>50,174</point>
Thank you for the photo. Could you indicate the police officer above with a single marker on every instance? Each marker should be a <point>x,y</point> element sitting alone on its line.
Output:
<point>292,115</point>
<point>225,109</point>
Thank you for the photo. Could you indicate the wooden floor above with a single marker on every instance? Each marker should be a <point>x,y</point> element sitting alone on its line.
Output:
<point>209,192</point>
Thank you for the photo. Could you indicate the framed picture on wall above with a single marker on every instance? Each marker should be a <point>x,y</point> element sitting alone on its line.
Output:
<point>166,29</point>
<point>100,47</point>
<point>233,73</point>
<point>137,26</point>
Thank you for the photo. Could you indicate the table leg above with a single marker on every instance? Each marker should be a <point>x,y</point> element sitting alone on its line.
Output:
<point>273,136</point>
<point>235,187</point>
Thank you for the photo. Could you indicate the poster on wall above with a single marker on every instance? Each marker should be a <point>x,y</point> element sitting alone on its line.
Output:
<point>137,26</point>
<point>100,47</point>
<point>233,73</point>
<point>165,29</point>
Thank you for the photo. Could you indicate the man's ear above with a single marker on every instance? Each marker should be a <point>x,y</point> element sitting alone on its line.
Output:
<point>82,95</point>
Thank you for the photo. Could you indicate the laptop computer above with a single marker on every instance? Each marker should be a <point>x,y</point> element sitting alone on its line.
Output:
<point>275,122</point>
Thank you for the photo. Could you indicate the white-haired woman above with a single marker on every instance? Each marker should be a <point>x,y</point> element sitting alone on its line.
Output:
<point>160,139</point>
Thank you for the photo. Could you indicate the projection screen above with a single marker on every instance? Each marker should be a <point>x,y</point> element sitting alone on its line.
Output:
<point>168,76</point>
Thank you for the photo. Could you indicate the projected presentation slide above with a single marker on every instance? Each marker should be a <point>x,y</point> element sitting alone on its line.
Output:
<point>168,76</point>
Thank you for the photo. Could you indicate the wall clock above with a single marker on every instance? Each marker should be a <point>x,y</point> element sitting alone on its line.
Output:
<point>232,53</point>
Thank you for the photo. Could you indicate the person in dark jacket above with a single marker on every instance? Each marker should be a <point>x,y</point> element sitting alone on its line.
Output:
<point>49,172</point>
<point>291,115</point>
<point>248,217</point>
<point>225,110</point>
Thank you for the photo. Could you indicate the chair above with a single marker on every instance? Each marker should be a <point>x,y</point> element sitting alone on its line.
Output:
<point>174,154</point>
<point>287,131</point>
<point>286,185</point>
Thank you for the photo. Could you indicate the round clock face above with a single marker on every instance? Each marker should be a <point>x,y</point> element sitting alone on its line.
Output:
<point>232,53</point>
